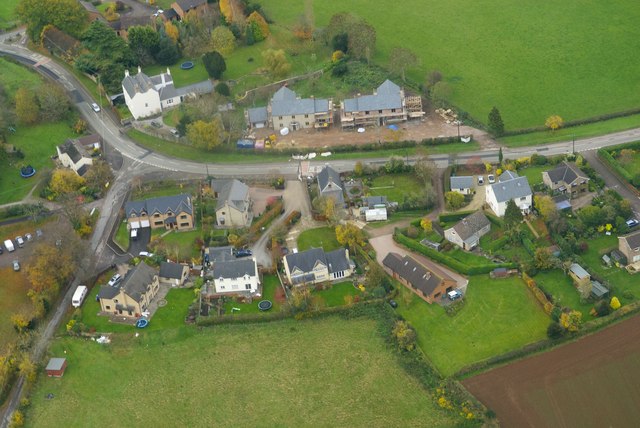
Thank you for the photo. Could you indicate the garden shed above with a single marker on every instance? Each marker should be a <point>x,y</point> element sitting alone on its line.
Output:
<point>56,367</point>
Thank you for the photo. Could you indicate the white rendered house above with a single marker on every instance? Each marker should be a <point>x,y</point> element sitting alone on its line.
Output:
<point>510,186</point>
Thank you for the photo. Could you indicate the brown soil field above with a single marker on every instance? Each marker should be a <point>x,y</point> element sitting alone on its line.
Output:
<point>593,382</point>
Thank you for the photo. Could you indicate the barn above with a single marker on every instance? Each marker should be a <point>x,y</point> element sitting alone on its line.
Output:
<point>56,367</point>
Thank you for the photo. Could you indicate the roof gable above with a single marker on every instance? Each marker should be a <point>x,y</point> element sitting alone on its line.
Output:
<point>515,188</point>
<point>416,274</point>
<point>632,240</point>
<point>136,281</point>
<point>462,182</point>
<point>471,225</point>
<point>171,270</point>
<point>387,96</point>
<point>306,261</point>
<point>164,204</point>
<point>285,102</point>
<point>231,192</point>
<point>238,268</point>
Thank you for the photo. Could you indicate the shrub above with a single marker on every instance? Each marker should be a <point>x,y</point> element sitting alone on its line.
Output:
<point>412,232</point>
<point>602,308</point>
<point>555,331</point>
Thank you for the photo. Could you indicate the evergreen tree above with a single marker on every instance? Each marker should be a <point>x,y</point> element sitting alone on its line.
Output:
<point>214,64</point>
<point>512,215</point>
<point>500,156</point>
<point>496,125</point>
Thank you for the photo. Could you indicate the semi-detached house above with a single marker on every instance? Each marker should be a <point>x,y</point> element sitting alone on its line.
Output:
<point>169,212</point>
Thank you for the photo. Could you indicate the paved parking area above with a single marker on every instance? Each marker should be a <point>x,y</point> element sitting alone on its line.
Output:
<point>260,196</point>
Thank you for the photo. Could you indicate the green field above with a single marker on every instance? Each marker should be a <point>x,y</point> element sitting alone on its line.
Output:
<point>324,372</point>
<point>7,13</point>
<point>13,299</point>
<point>498,316</point>
<point>395,187</point>
<point>321,237</point>
<point>544,57</point>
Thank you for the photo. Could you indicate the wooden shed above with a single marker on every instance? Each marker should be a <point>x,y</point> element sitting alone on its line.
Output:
<point>56,367</point>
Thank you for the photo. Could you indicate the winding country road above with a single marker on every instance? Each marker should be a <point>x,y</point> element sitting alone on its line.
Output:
<point>141,161</point>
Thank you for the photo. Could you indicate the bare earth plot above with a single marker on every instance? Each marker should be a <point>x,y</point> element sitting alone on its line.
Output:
<point>594,382</point>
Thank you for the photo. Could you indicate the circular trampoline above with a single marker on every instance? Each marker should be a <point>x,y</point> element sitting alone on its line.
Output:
<point>187,65</point>
<point>142,323</point>
<point>27,171</point>
<point>265,305</point>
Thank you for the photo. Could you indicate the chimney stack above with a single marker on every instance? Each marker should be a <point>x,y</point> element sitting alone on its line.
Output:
<point>139,69</point>
<point>126,73</point>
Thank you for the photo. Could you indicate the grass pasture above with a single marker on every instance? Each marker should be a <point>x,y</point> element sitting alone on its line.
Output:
<point>549,59</point>
<point>498,316</point>
<point>310,373</point>
<point>321,237</point>
<point>8,16</point>
<point>13,299</point>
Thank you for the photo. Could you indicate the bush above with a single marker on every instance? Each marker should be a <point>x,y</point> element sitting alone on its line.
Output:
<point>555,331</point>
<point>340,69</point>
<point>223,89</point>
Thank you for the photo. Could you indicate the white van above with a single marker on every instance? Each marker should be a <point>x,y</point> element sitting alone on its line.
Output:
<point>134,234</point>
<point>78,296</point>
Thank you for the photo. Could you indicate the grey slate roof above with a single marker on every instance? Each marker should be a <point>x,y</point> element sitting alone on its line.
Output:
<point>633,239</point>
<point>566,172</point>
<point>257,115</point>
<point>55,364</point>
<point>177,204</point>
<point>198,88</point>
<point>511,188</point>
<point>285,102</point>
<point>168,92</point>
<point>579,271</point>
<point>90,140</point>
<point>187,5</point>
<point>135,282</point>
<point>137,84</point>
<point>170,14</point>
<point>330,184</point>
<point>235,268</point>
<point>387,96</point>
<point>413,272</point>
<point>336,261</point>
<point>108,292</point>
<point>82,170</point>
<point>462,182</point>
<point>171,270</point>
<point>157,79</point>
<point>70,149</point>
<point>233,191</point>
<point>219,254</point>
<point>598,290</point>
<point>370,201</point>
<point>471,225</point>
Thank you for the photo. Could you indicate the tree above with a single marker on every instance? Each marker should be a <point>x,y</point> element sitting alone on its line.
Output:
<point>555,331</point>
<point>500,156</point>
<point>258,26</point>
<point>405,335</point>
<point>64,181</point>
<point>424,170</point>
<point>67,15</point>
<point>358,169</point>
<point>615,303</point>
<point>21,322</point>
<point>376,277</point>
<point>512,214</point>
<point>168,53</point>
<point>214,64</point>
<point>223,40</point>
<point>50,268</point>
<point>276,63</point>
<point>340,42</point>
<point>426,224</point>
<point>554,122</point>
<point>591,215</point>
<point>496,125</point>
<point>543,259</point>
<point>440,93</point>
<point>362,40</point>
<point>401,59</point>
<point>54,103</point>
<point>143,42</point>
<point>223,89</point>
<point>571,320</point>
<point>454,200</point>
<point>545,206</point>
<point>172,32</point>
<point>27,108</point>
<point>349,234</point>
<point>181,127</point>
<point>98,176</point>
<point>394,165</point>
<point>205,135</point>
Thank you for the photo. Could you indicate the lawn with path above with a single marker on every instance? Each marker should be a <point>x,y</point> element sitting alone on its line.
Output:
<point>325,368</point>
<point>498,316</point>
<point>587,74</point>
<point>394,186</point>
<point>321,237</point>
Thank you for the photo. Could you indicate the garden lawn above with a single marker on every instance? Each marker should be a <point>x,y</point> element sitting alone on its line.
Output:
<point>466,257</point>
<point>498,316</point>
<point>122,236</point>
<point>328,368</point>
<point>181,77</point>
<point>170,316</point>
<point>564,293</point>
<point>14,76</point>
<point>586,74</point>
<point>394,186</point>
<point>335,296</point>
<point>13,299</point>
<point>534,173</point>
<point>321,237</point>
<point>184,242</point>
<point>269,285</point>
<point>633,165</point>
<point>38,143</point>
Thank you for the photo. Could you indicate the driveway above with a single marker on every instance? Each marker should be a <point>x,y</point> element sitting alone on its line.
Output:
<point>385,245</point>
<point>260,197</point>
<point>140,244</point>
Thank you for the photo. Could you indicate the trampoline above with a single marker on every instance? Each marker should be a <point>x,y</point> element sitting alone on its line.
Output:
<point>187,65</point>
<point>142,323</point>
<point>27,171</point>
<point>265,305</point>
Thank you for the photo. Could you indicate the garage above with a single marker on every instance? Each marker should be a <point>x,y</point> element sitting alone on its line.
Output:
<point>145,223</point>
<point>134,225</point>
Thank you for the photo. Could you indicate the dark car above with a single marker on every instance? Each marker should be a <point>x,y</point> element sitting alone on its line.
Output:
<point>393,304</point>
<point>243,253</point>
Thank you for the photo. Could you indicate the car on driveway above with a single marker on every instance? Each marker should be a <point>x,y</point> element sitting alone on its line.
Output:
<point>632,222</point>
<point>115,280</point>
<point>480,180</point>
<point>95,107</point>
<point>243,253</point>
<point>454,295</point>
<point>20,241</point>
<point>491,178</point>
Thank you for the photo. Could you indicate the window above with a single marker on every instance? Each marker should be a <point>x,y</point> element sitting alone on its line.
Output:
<point>169,101</point>
<point>306,123</point>
<point>107,307</point>
<point>183,216</point>
<point>380,111</point>
<point>247,286</point>
<point>523,198</point>
<point>280,117</point>
<point>184,224</point>
<point>393,110</point>
<point>156,215</point>
<point>366,112</point>
<point>158,223</point>
<point>223,213</point>
<point>306,116</point>
<point>115,300</point>
<point>293,116</point>
<point>169,212</point>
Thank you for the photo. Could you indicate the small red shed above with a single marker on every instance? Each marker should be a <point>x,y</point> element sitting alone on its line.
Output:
<point>56,367</point>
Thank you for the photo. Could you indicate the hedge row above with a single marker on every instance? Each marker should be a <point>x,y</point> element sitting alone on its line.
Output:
<point>538,293</point>
<point>454,216</point>
<point>496,221</point>
<point>528,245</point>
<point>497,243</point>
<point>275,210</point>
<point>449,261</point>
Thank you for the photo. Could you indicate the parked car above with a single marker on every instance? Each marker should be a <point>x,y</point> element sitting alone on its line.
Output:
<point>28,237</point>
<point>480,180</point>
<point>16,265</point>
<point>115,280</point>
<point>285,251</point>
<point>1,250</point>
<point>145,254</point>
<point>174,132</point>
<point>95,107</point>
<point>632,222</point>
<point>454,295</point>
<point>491,178</point>
<point>243,253</point>
<point>393,304</point>
<point>20,241</point>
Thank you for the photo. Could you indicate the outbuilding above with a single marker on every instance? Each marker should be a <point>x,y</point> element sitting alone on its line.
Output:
<point>56,367</point>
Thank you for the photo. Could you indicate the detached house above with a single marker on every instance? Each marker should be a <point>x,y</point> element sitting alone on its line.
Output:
<point>287,110</point>
<point>78,154</point>
<point>314,266</point>
<point>388,104</point>
<point>148,96</point>
<point>182,7</point>
<point>173,274</point>
<point>462,184</point>
<point>330,185</point>
<point>629,245</point>
<point>425,283</point>
<point>132,296</point>
<point>510,186</point>
<point>236,276</point>
<point>566,178</point>
<point>169,212</point>
<point>467,232</point>
<point>122,25</point>
<point>233,208</point>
